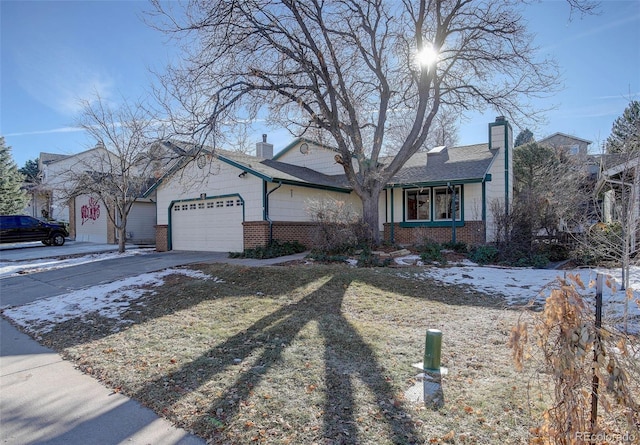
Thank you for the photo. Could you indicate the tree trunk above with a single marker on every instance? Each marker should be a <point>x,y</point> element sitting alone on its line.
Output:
<point>122,237</point>
<point>370,214</point>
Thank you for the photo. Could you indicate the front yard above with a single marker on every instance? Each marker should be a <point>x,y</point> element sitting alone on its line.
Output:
<point>308,355</point>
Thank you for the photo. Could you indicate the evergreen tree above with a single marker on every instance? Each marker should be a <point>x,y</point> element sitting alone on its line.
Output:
<point>524,137</point>
<point>12,197</point>
<point>30,170</point>
<point>625,133</point>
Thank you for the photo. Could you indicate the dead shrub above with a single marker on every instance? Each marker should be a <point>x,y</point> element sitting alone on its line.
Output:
<point>340,227</point>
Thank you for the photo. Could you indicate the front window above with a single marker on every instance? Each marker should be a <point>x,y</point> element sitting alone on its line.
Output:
<point>443,203</point>
<point>419,205</point>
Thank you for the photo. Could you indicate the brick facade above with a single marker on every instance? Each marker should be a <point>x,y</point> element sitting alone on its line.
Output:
<point>471,233</point>
<point>162,238</point>
<point>256,233</point>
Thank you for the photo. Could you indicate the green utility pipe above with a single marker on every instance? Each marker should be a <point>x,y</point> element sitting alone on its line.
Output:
<point>432,349</point>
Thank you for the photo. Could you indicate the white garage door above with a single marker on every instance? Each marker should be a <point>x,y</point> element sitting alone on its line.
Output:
<point>91,219</point>
<point>213,225</point>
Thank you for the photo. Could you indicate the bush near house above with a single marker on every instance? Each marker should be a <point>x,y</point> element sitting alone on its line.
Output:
<point>273,250</point>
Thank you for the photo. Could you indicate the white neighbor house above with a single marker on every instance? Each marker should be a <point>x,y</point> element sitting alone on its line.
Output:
<point>86,214</point>
<point>230,201</point>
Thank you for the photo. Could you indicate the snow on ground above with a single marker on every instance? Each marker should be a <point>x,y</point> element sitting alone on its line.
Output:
<point>521,285</point>
<point>109,300</point>
<point>15,268</point>
<point>517,285</point>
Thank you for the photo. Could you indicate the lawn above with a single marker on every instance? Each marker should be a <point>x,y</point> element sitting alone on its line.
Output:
<point>310,355</point>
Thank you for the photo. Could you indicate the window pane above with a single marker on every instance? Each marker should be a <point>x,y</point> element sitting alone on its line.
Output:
<point>442,203</point>
<point>418,205</point>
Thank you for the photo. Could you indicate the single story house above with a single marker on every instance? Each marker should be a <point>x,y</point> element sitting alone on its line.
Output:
<point>229,201</point>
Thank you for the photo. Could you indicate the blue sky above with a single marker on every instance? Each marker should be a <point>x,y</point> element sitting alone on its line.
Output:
<point>54,52</point>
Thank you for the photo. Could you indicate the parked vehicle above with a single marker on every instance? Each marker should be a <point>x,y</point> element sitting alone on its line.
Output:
<point>20,228</point>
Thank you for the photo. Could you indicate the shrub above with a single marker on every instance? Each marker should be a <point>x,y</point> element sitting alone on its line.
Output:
<point>431,252</point>
<point>459,247</point>
<point>274,250</point>
<point>340,228</point>
<point>368,259</point>
<point>484,254</point>
<point>324,257</point>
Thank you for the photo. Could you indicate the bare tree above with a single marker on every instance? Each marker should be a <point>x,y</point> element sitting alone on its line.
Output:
<point>121,167</point>
<point>355,70</point>
<point>444,130</point>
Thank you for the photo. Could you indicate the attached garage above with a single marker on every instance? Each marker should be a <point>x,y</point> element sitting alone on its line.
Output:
<point>90,219</point>
<point>209,224</point>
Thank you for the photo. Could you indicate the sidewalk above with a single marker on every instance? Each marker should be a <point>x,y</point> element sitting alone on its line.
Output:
<point>45,400</point>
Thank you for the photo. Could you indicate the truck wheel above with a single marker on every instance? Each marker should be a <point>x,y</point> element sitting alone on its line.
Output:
<point>57,239</point>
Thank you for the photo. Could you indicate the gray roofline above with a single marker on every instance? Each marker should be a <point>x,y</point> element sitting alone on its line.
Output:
<point>566,136</point>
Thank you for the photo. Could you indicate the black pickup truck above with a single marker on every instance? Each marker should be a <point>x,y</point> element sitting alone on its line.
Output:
<point>20,228</point>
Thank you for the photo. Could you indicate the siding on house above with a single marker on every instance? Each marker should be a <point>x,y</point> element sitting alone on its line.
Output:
<point>140,223</point>
<point>291,203</point>
<point>500,188</point>
<point>318,158</point>
<point>291,180</point>
<point>215,179</point>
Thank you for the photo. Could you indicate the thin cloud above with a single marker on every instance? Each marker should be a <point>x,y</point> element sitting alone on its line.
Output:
<point>625,96</point>
<point>51,131</point>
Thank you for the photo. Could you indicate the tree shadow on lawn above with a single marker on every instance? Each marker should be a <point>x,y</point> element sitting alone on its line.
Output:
<point>345,349</point>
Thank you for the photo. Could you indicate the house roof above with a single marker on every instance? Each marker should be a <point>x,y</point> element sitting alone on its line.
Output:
<point>47,158</point>
<point>268,169</point>
<point>460,164</point>
<point>469,163</point>
<point>568,136</point>
<point>276,171</point>
<point>615,163</point>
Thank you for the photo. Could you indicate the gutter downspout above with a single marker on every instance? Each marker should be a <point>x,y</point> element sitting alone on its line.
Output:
<point>266,211</point>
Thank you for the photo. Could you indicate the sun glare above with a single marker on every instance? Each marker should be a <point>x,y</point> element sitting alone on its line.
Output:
<point>428,56</point>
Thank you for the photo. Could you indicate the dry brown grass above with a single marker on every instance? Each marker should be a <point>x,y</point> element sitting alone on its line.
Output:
<point>311,355</point>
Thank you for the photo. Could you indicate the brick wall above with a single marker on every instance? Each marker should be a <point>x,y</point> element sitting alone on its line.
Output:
<point>256,233</point>
<point>471,233</point>
<point>162,238</point>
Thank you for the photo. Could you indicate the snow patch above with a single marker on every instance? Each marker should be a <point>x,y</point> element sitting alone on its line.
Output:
<point>109,300</point>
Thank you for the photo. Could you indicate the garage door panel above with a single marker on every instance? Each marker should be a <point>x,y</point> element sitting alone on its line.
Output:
<point>214,226</point>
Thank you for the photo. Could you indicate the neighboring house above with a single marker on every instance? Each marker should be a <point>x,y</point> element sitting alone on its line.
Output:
<point>229,201</point>
<point>40,204</point>
<point>571,145</point>
<point>85,213</point>
<point>621,177</point>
